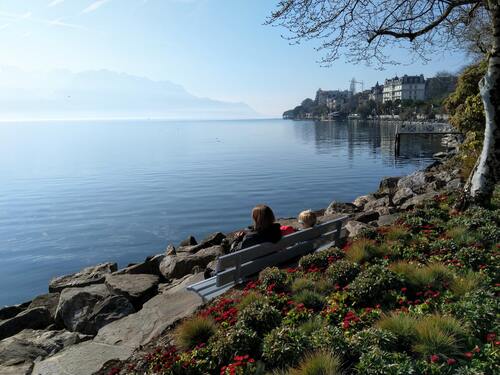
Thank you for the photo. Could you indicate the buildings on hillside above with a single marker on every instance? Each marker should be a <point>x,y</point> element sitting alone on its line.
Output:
<point>404,88</point>
<point>331,98</point>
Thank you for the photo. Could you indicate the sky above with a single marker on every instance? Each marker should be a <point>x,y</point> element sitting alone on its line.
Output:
<point>219,49</point>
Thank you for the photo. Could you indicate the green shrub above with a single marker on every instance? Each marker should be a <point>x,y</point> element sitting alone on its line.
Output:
<point>439,335</point>
<point>320,259</point>
<point>479,310</point>
<point>373,284</point>
<point>310,299</point>
<point>372,339</point>
<point>329,339</point>
<point>284,346</point>
<point>472,257</point>
<point>342,272</point>
<point>259,316</point>
<point>303,283</point>
<point>236,340</point>
<point>363,250</point>
<point>377,362</point>
<point>319,363</point>
<point>273,276</point>
<point>194,331</point>
<point>250,297</point>
<point>402,326</point>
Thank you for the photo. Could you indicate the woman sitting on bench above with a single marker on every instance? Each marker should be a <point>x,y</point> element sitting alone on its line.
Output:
<point>264,229</point>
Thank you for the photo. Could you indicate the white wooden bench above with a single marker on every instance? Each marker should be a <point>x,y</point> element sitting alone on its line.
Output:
<point>236,267</point>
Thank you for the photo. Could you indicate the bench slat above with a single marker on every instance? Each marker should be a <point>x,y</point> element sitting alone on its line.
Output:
<point>254,266</point>
<point>245,255</point>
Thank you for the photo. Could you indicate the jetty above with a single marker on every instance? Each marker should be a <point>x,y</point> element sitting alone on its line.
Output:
<point>426,128</point>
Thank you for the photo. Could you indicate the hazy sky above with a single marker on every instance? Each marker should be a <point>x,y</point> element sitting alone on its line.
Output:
<point>214,48</point>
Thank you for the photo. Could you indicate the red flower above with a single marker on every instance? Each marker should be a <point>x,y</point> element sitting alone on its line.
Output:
<point>468,355</point>
<point>451,361</point>
<point>434,358</point>
<point>404,290</point>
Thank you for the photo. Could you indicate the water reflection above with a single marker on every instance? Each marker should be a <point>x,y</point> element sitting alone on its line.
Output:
<point>375,138</point>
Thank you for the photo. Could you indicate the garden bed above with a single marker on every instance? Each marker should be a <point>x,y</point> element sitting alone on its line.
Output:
<point>417,297</point>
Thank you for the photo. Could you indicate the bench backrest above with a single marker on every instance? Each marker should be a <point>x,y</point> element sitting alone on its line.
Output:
<point>245,262</point>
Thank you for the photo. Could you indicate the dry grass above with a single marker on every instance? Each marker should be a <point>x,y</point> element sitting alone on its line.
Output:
<point>194,331</point>
<point>362,250</point>
<point>420,276</point>
<point>464,284</point>
<point>319,363</point>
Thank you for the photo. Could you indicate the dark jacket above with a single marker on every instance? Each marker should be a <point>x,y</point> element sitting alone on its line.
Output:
<point>273,234</point>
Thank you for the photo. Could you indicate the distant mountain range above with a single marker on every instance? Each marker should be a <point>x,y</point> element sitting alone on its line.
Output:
<point>104,94</point>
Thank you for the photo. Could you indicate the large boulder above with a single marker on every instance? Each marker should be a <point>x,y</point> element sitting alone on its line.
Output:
<point>340,208</point>
<point>190,241</point>
<point>454,185</point>
<point>360,202</point>
<point>387,186</point>
<point>418,200</point>
<point>381,202</point>
<point>181,264</point>
<point>137,288</point>
<point>88,309</point>
<point>366,216</point>
<point>402,195</point>
<point>37,318</point>
<point>387,220</point>
<point>416,181</point>
<point>354,228</point>
<point>211,240</point>
<point>29,344</point>
<point>8,312</point>
<point>87,276</point>
<point>49,301</point>
<point>151,265</point>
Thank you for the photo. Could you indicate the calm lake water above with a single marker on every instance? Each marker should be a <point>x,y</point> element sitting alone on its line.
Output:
<point>79,193</point>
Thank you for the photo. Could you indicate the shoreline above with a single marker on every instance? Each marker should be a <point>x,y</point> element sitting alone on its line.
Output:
<point>106,305</point>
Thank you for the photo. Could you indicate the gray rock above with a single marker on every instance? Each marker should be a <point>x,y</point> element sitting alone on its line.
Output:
<point>28,345</point>
<point>455,184</point>
<point>388,185</point>
<point>150,266</point>
<point>416,181</point>
<point>355,227</point>
<point>89,308</point>
<point>177,266</point>
<point>444,176</point>
<point>170,250</point>
<point>20,369</point>
<point>381,202</point>
<point>87,276</point>
<point>366,216</point>
<point>137,288</point>
<point>402,195</point>
<point>49,301</point>
<point>190,241</point>
<point>440,155</point>
<point>387,220</point>
<point>37,318</point>
<point>362,200</point>
<point>8,312</point>
<point>340,208</point>
<point>213,239</point>
<point>418,200</point>
<point>385,210</point>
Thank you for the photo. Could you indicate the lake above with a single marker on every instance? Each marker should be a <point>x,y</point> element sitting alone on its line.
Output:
<point>75,194</point>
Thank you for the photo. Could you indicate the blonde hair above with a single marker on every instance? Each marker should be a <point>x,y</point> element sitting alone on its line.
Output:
<point>263,217</point>
<point>307,219</point>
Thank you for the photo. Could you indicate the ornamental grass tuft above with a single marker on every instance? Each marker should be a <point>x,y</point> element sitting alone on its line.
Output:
<point>310,299</point>
<point>194,331</point>
<point>363,250</point>
<point>302,284</point>
<point>463,284</point>
<point>398,233</point>
<point>421,276</point>
<point>402,326</point>
<point>319,363</point>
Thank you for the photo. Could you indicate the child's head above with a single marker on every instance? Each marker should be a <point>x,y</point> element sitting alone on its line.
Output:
<point>263,217</point>
<point>307,219</point>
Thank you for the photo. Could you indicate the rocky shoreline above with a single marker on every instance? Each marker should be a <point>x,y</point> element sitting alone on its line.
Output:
<point>103,313</point>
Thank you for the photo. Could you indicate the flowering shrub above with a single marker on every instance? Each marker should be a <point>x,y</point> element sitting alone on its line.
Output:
<point>329,339</point>
<point>372,284</point>
<point>242,364</point>
<point>284,346</point>
<point>273,279</point>
<point>260,316</point>
<point>342,272</point>
<point>377,362</point>
<point>236,340</point>
<point>320,259</point>
<point>224,311</point>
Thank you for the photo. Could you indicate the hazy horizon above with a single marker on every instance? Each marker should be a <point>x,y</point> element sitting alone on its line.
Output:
<point>216,51</point>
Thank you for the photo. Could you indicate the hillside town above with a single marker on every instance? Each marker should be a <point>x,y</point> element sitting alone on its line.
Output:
<point>405,97</point>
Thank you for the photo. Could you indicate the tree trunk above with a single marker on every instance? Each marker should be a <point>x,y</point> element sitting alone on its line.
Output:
<point>481,184</point>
